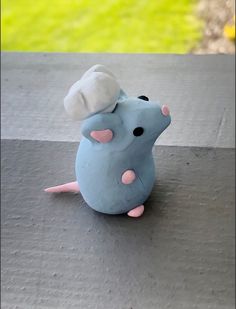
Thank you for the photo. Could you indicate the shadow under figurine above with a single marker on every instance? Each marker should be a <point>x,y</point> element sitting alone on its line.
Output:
<point>114,166</point>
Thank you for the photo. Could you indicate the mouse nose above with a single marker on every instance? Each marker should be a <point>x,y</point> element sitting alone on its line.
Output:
<point>165,110</point>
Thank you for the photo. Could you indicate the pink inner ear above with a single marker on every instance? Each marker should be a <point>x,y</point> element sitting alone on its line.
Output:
<point>103,136</point>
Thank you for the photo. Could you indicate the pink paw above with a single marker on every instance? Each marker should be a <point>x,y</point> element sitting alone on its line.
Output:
<point>128,177</point>
<point>136,212</point>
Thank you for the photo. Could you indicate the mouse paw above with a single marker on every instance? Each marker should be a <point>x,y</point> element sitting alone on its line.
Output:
<point>128,177</point>
<point>136,212</point>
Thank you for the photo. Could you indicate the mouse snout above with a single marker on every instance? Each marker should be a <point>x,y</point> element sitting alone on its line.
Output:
<point>165,110</point>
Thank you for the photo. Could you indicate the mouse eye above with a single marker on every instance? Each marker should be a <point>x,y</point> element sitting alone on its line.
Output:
<point>143,97</point>
<point>138,131</point>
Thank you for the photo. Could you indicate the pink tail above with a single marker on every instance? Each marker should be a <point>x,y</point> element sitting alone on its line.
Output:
<point>67,187</point>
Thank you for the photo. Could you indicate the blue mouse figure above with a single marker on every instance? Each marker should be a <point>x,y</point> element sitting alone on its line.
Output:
<point>114,166</point>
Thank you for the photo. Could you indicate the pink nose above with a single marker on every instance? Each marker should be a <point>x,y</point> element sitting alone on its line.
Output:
<point>165,110</point>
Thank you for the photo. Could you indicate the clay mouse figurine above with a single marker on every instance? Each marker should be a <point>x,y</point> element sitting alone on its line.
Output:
<point>114,165</point>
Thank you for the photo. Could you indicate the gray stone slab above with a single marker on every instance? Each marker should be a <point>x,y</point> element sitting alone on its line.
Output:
<point>198,89</point>
<point>58,253</point>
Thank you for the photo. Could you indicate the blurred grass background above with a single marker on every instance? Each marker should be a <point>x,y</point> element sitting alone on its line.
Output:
<point>163,26</point>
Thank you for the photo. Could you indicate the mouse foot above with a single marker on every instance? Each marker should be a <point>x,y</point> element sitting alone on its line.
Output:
<point>67,187</point>
<point>136,212</point>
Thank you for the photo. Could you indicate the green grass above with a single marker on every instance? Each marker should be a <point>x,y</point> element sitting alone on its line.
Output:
<point>164,26</point>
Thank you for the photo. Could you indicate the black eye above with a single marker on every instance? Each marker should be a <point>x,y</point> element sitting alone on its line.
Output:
<point>138,131</point>
<point>143,97</point>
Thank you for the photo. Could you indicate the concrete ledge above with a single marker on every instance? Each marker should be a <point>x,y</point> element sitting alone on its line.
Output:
<point>198,89</point>
<point>58,253</point>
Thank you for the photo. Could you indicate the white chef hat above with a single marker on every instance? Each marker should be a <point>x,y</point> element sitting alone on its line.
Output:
<point>96,91</point>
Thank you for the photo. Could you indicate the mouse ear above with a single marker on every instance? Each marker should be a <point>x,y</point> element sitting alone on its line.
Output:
<point>101,127</point>
<point>96,92</point>
<point>122,95</point>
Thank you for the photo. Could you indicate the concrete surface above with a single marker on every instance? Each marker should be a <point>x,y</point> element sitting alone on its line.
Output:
<point>198,89</point>
<point>59,254</point>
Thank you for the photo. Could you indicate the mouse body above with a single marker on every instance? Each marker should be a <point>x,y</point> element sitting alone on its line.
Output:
<point>114,167</point>
<point>101,167</point>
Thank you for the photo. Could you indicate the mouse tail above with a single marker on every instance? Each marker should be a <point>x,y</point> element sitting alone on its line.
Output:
<point>67,187</point>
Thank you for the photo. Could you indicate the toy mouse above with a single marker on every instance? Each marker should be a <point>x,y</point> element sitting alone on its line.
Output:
<point>114,165</point>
